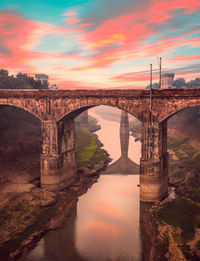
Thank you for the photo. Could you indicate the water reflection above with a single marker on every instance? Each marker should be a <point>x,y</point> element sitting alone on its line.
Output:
<point>108,220</point>
<point>103,227</point>
<point>58,245</point>
<point>106,224</point>
<point>123,165</point>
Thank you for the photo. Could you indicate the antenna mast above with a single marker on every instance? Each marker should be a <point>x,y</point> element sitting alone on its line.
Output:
<point>160,69</point>
<point>150,106</point>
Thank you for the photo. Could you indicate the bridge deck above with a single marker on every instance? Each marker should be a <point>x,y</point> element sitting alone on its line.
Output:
<point>102,93</point>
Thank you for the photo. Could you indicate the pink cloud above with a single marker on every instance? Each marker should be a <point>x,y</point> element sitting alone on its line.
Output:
<point>19,36</point>
<point>72,20</point>
<point>134,77</point>
<point>120,38</point>
<point>167,6</point>
<point>183,58</point>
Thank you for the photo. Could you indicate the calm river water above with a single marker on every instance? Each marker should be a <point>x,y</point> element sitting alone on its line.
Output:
<point>105,224</point>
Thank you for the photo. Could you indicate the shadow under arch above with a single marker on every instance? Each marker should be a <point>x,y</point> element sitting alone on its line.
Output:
<point>2,105</point>
<point>20,149</point>
<point>177,109</point>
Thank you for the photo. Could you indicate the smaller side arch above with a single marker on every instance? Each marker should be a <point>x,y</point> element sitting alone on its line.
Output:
<point>174,108</point>
<point>22,108</point>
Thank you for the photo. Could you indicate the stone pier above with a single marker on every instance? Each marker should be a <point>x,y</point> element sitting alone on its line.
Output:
<point>58,162</point>
<point>154,162</point>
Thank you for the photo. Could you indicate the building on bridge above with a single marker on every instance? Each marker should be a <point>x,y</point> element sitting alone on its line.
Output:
<point>53,87</point>
<point>167,80</point>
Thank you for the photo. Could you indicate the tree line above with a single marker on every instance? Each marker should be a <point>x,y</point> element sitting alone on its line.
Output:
<point>180,83</point>
<point>20,81</point>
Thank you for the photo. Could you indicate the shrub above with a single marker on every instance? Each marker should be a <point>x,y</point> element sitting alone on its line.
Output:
<point>180,213</point>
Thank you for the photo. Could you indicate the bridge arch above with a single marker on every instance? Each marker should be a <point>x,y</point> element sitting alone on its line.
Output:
<point>22,108</point>
<point>77,107</point>
<point>174,108</point>
<point>20,139</point>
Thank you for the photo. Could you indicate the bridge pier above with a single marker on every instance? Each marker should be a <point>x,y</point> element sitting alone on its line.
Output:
<point>57,161</point>
<point>154,162</point>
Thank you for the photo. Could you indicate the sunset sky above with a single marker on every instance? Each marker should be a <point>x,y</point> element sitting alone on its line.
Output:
<point>100,43</point>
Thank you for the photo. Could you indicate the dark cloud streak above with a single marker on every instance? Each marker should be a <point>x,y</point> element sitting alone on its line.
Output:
<point>108,9</point>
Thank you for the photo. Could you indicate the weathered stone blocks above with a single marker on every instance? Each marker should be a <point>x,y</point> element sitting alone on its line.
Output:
<point>57,109</point>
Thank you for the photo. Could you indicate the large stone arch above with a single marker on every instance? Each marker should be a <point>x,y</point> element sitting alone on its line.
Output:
<point>76,106</point>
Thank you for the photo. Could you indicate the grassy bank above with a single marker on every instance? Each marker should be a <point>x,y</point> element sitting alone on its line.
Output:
<point>88,152</point>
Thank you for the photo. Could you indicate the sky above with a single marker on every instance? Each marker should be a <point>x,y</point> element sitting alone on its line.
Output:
<point>100,43</point>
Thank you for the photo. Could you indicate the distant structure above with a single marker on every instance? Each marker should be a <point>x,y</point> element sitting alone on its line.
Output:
<point>41,77</point>
<point>53,87</point>
<point>167,80</point>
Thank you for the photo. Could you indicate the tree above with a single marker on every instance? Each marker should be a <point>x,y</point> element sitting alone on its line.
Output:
<point>154,86</point>
<point>180,82</point>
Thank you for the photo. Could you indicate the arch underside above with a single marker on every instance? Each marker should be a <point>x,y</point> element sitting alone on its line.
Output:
<point>170,109</point>
<point>29,110</point>
<point>75,109</point>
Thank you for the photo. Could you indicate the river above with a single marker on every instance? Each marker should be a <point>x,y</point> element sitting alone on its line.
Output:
<point>104,226</point>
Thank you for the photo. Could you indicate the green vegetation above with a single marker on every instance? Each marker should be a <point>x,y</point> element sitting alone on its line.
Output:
<point>181,147</point>
<point>180,82</point>
<point>184,151</point>
<point>195,162</point>
<point>88,152</point>
<point>180,213</point>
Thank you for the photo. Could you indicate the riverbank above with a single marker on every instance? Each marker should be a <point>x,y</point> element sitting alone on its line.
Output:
<point>26,216</point>
<point>177,221</point>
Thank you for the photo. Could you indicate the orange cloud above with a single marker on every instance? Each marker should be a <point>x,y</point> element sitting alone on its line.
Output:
<point>103,231</point>
<point>107,210</point>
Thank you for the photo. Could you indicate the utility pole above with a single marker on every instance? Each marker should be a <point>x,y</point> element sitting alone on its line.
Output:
<point>160,69</point>
<point>150,104</point>
<point>150,115</point>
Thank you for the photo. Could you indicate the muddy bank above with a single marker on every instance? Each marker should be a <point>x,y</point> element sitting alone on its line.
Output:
<point>38,211</point>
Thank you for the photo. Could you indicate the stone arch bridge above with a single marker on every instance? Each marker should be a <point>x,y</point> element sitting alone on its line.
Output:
<point>57,110</point>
